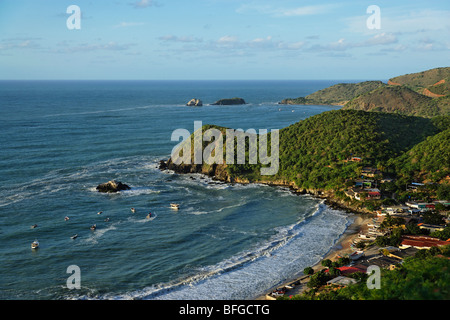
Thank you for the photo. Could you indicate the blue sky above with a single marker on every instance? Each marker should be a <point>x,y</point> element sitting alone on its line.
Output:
<point>221,39</point>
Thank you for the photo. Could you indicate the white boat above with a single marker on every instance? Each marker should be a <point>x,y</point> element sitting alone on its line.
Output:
<point>35,244</point>
<point>74,237</point>
<point>366,237</point>
<point>174,206</point>
<point>356,255</point>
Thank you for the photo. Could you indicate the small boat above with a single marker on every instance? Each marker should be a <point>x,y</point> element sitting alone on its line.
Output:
<point>100,212</point>
<point>74,237</point>
<point>66,218</point>
<point>366,237</point>
<point>356,255</point>
<point>149,215</point>
<point>93,227</point>
<point>107,220</point>
<point>174,206</point>
<point>34,226</point>
<point>35,244</point>
<point>133,210</point>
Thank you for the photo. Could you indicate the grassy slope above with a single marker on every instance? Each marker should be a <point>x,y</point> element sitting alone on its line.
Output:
<point>337,94</point>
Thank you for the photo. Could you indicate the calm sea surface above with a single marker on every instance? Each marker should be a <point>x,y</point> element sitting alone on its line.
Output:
<point>60,139</point>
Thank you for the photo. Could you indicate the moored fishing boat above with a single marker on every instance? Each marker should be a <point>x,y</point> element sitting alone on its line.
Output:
<point>35,244</point>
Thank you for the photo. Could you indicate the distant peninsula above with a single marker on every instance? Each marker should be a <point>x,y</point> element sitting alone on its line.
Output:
<point>424,94</point>
<point>230,101</point>
<point>338,94</point>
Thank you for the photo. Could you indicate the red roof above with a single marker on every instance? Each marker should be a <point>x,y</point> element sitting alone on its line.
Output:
<point>349,270</point>
<point>422,241</point>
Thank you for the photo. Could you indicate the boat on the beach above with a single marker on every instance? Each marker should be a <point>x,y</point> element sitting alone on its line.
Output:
<point>366,237</point>
<point>356,255</point>
<point>35,244</point>
<point>175,206</point>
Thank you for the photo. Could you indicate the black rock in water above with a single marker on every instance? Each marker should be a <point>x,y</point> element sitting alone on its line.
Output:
<point>112,187</point>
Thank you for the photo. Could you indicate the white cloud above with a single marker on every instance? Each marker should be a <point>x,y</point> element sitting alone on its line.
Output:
<point>285,12</point>
<point>19,43</point>
<point>380,39</point>
<point>65,47</point>
<point>144,4</point>
<point>173,38</point>
<point>228,39</point>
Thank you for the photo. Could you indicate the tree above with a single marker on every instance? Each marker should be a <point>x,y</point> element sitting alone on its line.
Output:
<point>433,217</point>
<point>308,271</point>
<point>318,279</point>
<point>443,192</point>
<point>326,263</point>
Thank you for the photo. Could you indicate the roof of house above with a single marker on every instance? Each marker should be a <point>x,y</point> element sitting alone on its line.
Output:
<point>349,270</point>
<point>422,241</point>
<point>381,261</point>
<point>404,253</point>
<point>342,281</point>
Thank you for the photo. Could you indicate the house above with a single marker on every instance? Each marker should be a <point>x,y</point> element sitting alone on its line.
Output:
<point>430,227</point>
<point>421,242</point>
<point>403,253</point>
<point>382,262</point>
<point>342,281</point>
<point>373,193</point>
<point>346,270</point>
<point>369,172</point>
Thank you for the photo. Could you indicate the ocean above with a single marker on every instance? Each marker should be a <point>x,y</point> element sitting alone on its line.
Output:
<point>60,139</point>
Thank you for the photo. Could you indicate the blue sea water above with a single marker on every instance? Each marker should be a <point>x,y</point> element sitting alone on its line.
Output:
<point>60,139</point>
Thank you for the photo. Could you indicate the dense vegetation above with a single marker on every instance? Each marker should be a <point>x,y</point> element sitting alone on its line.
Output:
<point>428,161</point>
<point>313,152</point>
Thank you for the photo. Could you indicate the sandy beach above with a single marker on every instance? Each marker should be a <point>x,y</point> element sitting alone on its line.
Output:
<point>341,248</point>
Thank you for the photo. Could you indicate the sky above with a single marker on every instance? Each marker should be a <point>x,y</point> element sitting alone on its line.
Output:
<point>222,39</point>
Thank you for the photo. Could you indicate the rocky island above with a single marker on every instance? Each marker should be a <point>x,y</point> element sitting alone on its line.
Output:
<point>227,102</point>
<point>195,103</point>
<point>112,187</point>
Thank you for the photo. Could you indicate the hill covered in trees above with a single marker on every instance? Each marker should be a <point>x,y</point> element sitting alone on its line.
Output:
<point>425,94</point>
<point>317,153</point>
<point>338,94</point>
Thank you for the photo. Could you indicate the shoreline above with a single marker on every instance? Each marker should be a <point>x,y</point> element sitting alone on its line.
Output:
<point>340,248</point>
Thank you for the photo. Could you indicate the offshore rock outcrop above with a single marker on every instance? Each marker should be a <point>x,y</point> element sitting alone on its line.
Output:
<point>228,102</point>
<point>195,103</point>
<point>112,187</point>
